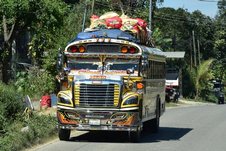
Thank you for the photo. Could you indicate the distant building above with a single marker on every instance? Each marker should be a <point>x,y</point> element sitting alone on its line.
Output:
<point>174,74</point>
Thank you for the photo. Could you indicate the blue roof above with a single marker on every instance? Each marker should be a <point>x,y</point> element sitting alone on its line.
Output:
<point>105,33</point>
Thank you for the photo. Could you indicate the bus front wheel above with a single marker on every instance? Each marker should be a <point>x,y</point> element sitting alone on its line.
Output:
<point>134,136</point>
<point>64,134</point>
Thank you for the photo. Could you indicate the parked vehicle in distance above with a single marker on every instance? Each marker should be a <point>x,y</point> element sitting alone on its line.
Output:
<point>220,98</point>
<point>170,94</point>
<point>218,88</point>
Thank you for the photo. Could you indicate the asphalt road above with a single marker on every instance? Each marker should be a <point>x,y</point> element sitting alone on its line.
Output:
<point>194,128</point>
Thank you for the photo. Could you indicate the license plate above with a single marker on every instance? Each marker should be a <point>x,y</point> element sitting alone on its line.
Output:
<point>94,122</point>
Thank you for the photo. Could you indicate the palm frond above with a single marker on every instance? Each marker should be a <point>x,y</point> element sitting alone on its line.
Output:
<point>203,73</point>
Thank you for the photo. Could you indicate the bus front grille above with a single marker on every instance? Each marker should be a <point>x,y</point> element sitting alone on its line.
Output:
<point>97,95</point>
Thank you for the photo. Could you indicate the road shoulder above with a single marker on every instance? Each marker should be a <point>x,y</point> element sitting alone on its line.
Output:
<point>186,103</point>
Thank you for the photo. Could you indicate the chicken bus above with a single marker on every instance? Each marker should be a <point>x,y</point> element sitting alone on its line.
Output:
<point>110,82</point>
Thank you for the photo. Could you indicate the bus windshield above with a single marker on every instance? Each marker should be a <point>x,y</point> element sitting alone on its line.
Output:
<point>82,65</point>
<point>109,64</point>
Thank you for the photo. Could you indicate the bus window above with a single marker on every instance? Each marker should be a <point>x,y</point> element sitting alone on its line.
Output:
<point>123,66</point>
<point>82,65</point>
<point>156,70</point>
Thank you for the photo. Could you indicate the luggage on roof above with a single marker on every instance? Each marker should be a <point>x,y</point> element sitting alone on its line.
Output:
<point>105,33</point>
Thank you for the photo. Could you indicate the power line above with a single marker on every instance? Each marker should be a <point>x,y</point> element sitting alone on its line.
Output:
<point>187,19</point>
<point>179,16</point>
<point>208,1</point>
<point>176,19</point>
<point>173,19</point>
<point>168,17</point>
<point>206,24</point>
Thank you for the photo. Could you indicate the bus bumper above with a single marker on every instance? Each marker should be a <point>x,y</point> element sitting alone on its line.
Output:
<point>98,120</point>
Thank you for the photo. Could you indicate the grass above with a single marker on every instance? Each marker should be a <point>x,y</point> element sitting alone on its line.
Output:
<point>37,129</point>
<point>171,104</point>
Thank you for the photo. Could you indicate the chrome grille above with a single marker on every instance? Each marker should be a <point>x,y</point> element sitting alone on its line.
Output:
<point>97,95</point>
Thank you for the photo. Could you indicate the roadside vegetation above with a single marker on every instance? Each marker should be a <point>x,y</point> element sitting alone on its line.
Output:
<point>19,127</point>
<point>52,23</point>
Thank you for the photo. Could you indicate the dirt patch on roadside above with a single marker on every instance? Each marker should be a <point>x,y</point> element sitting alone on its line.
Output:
<point>184,103</point>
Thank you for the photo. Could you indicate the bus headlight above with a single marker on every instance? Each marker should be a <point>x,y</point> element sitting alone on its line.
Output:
<point>131,101</point>
<point>64,100</point>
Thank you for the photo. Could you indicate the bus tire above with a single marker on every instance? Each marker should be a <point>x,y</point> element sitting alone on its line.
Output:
<point>64,134</point>
<point>152,126</point>
<point>147,126</point>
<point>155,125</point>
<point>155,122</point>
<point>134,136</point>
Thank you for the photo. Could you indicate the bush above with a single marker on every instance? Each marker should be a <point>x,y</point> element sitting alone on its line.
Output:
<point>13,119</point>
<point>38,128</point>
<point>42,125</point>
<point>35,82</point>
<point>188,84</point>
<point>211,98</point>
<point>11,104</point>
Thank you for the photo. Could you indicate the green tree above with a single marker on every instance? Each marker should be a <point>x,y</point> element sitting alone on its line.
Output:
<point>204,29</point>
<point>174,33</point>
<point>220,41</point>
<point>70,27</point>
<point>160,40</point>
<point>174,28</point>
<point>40,17</point>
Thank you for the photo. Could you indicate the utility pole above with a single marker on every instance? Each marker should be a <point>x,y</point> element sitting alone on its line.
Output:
<point>194,48</point>
<point>93,3</point>
<point>199,52</point>
<point>191,55</point>
<point>150,14</point>
<point>84,17</point>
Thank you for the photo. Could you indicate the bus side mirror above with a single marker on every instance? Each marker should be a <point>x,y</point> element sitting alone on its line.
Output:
<point>130,71</point>
<point>67,70</point>
<point>59,60</point>
<point>59,64</point>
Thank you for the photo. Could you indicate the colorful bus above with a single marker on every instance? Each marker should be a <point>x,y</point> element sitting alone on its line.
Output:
<point>110,82</point>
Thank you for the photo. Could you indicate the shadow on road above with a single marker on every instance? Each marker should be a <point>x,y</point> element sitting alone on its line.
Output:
<point>164,134</point>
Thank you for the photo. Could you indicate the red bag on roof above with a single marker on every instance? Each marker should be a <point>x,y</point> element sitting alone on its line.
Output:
<point>136,29</point>
<point>93,17</point>
<point>141,23</point>
<point>114,22</point>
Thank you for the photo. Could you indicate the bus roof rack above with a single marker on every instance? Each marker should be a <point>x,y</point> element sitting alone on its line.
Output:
<point>105,33</point>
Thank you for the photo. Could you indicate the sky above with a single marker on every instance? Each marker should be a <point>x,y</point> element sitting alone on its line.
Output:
<point>207,8</point>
